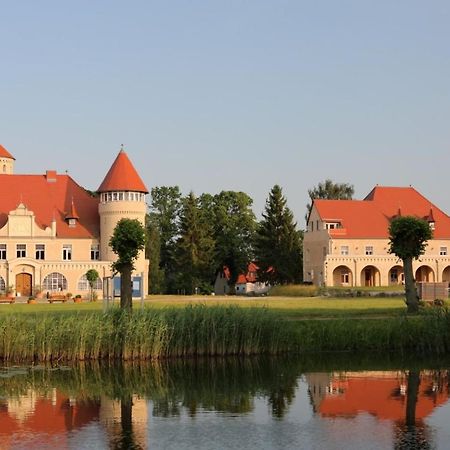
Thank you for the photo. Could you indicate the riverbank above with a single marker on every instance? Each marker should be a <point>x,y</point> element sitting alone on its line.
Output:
<point>199,330</point>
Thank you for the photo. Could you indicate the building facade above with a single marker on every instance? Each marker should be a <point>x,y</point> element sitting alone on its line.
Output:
<point>52,231</point>
<point>347,241</point>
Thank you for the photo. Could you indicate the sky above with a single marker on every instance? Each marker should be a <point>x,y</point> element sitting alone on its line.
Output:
<point>231,95</point>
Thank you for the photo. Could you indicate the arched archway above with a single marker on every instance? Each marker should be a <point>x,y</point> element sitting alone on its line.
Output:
<point>396,276</point>
<point>370,276</point>
<point>446,275</point>
<point>24,286</point>
<point>342,276</point>
<point>424,274</point>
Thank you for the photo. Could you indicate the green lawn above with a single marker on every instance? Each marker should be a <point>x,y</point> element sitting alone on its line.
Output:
<point>293,308</point>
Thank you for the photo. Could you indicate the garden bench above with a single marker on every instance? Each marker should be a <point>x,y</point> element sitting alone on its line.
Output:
<point>57,298</point>
<point>9,300</point>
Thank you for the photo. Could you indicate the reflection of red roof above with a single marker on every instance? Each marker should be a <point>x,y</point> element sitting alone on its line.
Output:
<point>376,396</point>
<point>49,418</point>
<point>122,176</point>
<point>4,153</point>
<point>50,197</point>
<point>369,218</point>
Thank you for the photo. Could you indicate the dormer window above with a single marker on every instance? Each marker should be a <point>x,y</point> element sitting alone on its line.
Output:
<point>72,223</point>
<point>431,225</point>
<point>332,225</point>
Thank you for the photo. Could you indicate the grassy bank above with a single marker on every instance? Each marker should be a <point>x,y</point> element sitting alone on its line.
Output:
<point>198,330</point>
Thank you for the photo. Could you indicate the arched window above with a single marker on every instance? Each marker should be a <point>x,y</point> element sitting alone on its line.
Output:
<point>55,282</point>
<point>83,284</point>
<point>2,285</point>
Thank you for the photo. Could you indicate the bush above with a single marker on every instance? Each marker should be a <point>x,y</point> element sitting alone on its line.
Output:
<point>294,290</point>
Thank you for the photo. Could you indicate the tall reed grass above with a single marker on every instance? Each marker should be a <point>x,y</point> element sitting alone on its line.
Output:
<point>149,334</point>
<point>198,330</point>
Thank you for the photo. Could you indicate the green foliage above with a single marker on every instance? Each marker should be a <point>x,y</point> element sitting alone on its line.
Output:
<point>234,230</point>
<point>329,190</point>
<point>408,240</point>
<point>164,220</point>
<point>153,253</point>
<point>278,243</point>
<point>92,276</point>
<point>195,247</point>
<point>127,241</point>
<point>408,236</point>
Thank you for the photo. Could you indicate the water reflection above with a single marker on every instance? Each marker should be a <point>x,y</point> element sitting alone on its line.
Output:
<point>116,406</point>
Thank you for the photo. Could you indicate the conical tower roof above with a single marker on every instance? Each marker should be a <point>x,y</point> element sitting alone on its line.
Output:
<point>5,154</point>
<point>122,176</point>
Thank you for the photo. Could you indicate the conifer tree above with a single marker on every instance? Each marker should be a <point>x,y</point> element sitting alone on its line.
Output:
<point>278,243</point>
<point>194,248</point>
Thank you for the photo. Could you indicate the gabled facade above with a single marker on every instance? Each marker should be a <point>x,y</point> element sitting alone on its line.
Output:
<point>346,242</point>
<point>52,231</point>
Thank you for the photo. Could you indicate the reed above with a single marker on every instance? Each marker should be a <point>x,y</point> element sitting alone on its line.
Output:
<point>200,330</point>
<point>148,334</point>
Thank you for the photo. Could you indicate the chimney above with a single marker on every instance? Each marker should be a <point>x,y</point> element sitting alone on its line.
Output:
<point>50,175</point>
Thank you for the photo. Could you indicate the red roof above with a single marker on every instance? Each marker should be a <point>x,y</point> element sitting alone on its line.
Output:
<point>4,153</point>
<point>369,218</point>
<point>51,198</point>
<point>122,176</point>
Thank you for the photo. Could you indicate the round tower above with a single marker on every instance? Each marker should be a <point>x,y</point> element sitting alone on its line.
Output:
<point>6,162</point>
<point>122,195</point>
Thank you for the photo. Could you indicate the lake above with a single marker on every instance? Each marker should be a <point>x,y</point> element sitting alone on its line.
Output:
<point>325,402</point>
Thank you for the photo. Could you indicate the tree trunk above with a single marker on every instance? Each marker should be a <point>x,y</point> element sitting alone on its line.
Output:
<point>411,397</point>
<point>125,287</point>
<point>412,300</point>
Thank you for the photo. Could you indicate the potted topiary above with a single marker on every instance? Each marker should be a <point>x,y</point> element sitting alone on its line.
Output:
<point>77,298</point>
<point>31,300</point>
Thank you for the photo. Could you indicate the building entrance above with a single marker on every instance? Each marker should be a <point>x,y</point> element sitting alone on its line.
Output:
<point>23,284</point>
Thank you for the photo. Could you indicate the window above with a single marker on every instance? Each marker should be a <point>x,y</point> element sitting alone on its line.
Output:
<point>2,285</point>
<point>443,251</point>
<point>21,250</point>
<point>67,252</point>
<point>369,250</point>
<point>332,225</point>
<point>345,277</point>
<point>431,225</point>
<point>2,251</point>
<point>344,250</point>
<point>95,252</point>
<point>54,282</point>
<point>83,284</point>
<point>394,276</point>
<point>72,223</point>
<point>40,251</point>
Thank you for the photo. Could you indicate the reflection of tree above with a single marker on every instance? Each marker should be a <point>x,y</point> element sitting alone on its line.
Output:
<point>412,434</point>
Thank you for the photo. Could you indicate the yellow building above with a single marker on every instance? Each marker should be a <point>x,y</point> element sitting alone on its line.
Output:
<point>52,231</point>
<point>347,241</point>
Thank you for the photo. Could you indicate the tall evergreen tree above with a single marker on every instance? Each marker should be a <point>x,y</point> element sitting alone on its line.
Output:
<point>194,248</point>
<point>152,253</point>
<point>278,243</point>
<point>165,206</point>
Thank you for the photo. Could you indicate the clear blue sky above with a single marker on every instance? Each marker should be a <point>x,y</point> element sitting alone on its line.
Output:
<point>235,95</point>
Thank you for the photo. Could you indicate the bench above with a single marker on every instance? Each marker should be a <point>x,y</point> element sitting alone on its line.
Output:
<point>57,298</point>
<point>9,300</point>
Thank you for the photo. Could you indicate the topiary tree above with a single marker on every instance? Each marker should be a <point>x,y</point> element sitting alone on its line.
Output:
<point>408,240</point>
<point>127,241</point>
<point>92,277</point>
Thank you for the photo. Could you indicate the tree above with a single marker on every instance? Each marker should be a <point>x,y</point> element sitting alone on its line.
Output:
<point>92,277</point>
<point>127,241</point>
<point>194,249</point>
<point>153,254</point>
<point>408,240</point>
<point>234,231</point>
<point>165,207</point>
<point>278,243</point>
<point>329,190</point>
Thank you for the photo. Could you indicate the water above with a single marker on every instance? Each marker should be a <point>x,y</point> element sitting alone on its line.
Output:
<point>256,403</point>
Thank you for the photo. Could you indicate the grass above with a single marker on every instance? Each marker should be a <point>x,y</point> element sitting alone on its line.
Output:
<point>289,307</point>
